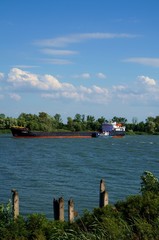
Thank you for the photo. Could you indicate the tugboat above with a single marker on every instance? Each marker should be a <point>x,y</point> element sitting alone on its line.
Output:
<point>112,129</point>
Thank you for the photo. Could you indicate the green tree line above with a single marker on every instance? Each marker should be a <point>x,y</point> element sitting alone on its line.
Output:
<point>80,122</point>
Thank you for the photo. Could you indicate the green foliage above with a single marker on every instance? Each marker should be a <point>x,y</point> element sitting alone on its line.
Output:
<point>119,119</point>
<point>149,183</point>
<point>143,230</point>
<point>106,223</point>
<point>5,213</point>
<point>141,212</point>
<point>10,229</point>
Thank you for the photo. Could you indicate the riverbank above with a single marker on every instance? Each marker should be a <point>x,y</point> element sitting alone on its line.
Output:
<point>134,218</point>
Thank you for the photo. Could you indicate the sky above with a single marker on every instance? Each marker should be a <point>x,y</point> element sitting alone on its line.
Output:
<point>98,58</point>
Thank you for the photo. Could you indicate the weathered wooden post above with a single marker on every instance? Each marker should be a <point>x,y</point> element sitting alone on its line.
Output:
<point>103,198</point>
<point>71,212</point>
<point>56,209</point>
<point>61,209</point>
<point>58,206</point>
<point>15,203</point>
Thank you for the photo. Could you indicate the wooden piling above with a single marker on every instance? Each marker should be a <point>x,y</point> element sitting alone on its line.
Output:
<point>15,203</point>
<point>103,196</point>
<point>58,206</point>
<point>71,212</point>
<point>56,209</point>
<point>61,209</point>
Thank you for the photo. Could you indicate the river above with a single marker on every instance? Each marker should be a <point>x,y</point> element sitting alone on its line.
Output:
<point>44,169</point>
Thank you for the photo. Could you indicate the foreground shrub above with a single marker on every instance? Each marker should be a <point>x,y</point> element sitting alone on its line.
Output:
<point>135,218</point>
<point>14,230</point>
<point>105,222</point>
<point>149,183</point>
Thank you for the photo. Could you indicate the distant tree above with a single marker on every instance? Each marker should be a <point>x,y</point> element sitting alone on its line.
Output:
<point>90,119</point>
<point>46,122</point>
<point>90,122</point>
<point>77,126</point>
<point>141,127</point>
<point>9,122</point>
<point>58,121</point>
<point>101,120</point>
<point>119,119</point>
<point>78,118</point>
<point>150,119</point>
<point>79,123</point>
<point>150,126</point>
<point>70,123</point>
<point>2,121</point>
<point>22,120</point>
<point>58,118</point>
<point>157,123</point>
<point>43,116</point>
<point>2,115</point>
<point>28,120</point>
<point>83,118</point>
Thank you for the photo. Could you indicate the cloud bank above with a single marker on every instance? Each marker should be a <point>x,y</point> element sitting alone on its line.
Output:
<point>75,38</point>
<point>144,90</point>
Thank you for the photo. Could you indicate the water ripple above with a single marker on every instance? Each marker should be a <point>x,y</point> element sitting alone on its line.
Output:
<point>44,169</point>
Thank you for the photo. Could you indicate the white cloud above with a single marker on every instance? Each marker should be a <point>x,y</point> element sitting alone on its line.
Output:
<point>58,52</point>
<point>129,97</point>
<point>54,84</point>
<point>92,94</point>
<point>85,75</point>
<point>50,95</point>
<point>51,82</point>
<point>50,87</point>
<point>19,77</point>
<point>1,75</point>
<point>88,75</point>
<point>57,61</point>
<point>72,95</point>
<point>119,88</point>
<point>15,96</point>
<point>101,75</point>
<point>49,45</point>
<point>85,90</point>
<point>145,93</point>
<point>74,38</point>
<point>82,76</point>
<point>25,66</point>
<point>145,61</point>
<point>81,93</point>
<point>147,81</point>
<point>100,90</point>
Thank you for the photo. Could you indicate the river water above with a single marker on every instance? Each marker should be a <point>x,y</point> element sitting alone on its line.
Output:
<point>44,169</point>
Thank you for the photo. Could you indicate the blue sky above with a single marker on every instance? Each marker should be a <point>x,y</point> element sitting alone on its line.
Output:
<point>98,57</point>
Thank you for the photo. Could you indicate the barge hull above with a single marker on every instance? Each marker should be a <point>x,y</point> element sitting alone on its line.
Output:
<point>53,137</point>
<point>21,132</point>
